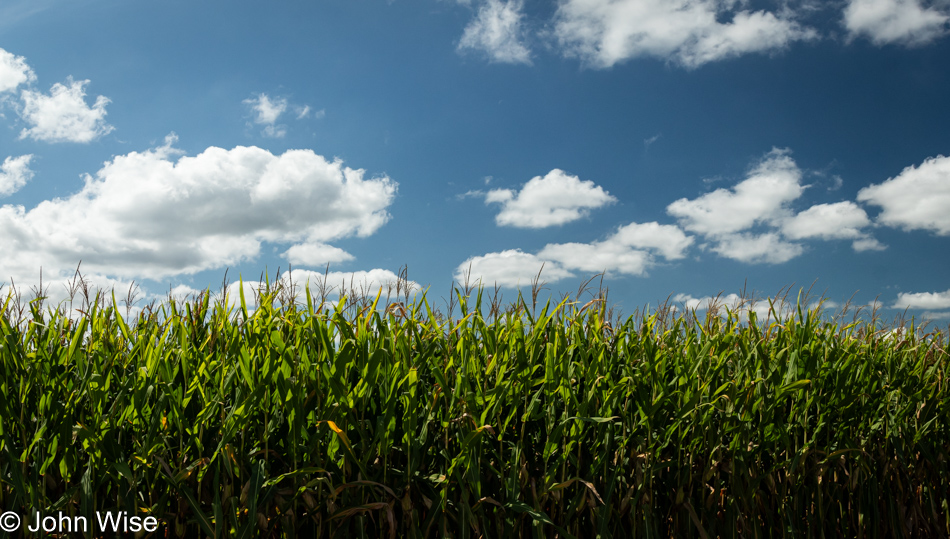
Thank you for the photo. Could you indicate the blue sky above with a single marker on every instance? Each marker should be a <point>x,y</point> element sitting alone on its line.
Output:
<point>687,148</point>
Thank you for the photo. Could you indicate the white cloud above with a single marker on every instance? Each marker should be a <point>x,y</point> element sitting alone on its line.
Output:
<point>668,240</point>
<point>315,254</point>
<point>917,198</point>
<point>360,283</point>
<point>598,256</point>
<point>148,215</point>
<point>497,31</point>
<point>761,198</point>
<point>555,199</point>
<point>923,300</point>
<point>63,115</point>
<point>905,22</point>
<point>631,250</point>
<point>14,71</point>
<point>841,220</point>
<point>727,217</point>
<point>689,32</point>
<point>183,292</point>
<point>511,268</point>
<point>867,244</point>
<point>267,111</point>
<point>767,248</point>
<point>274,131</point>
<point>303,112</point>
<point>737,304</point>
<point>14,173</point>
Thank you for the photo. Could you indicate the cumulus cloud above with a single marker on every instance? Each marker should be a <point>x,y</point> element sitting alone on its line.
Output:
<point>761,198</point>
<point>598,256</point>
<point>753,221</point>
<point>840,220</point>
<point>689,32</point>
<point>14,173</point>
<point>631,250</point>
<point>737,304</point>
<point>668,240</point>
<point>63,115</point>
<point>916,199</point>
<point>867,244</point>
<point>555,199</point>
<point>923,300</point>
<point>361,283</point>
<point>905,22</point>
<point>156,214</point>
<point>766,248</point>
<point>14,71</point>
<point>497,31</point>
<point>328,286</point>
<point>511,268</point>
<point>315,254</point>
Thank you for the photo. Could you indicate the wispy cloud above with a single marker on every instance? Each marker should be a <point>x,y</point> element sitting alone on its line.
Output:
<point>267,111</point>
<point>691,33</point>
<point>497,30</point>
<point>904,22</point>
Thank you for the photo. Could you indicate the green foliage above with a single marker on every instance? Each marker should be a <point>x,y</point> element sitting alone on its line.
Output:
<point>302,420</point>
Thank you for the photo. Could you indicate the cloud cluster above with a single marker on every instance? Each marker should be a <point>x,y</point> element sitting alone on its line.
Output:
<point>14,173</point>
<point>62,115</point>
<point>603,33</point>
<point>738,305</point>
<point>156,214</point>
<point>761,198</point>
<point>267,111</point>
<point>904,22</point>
<point>753,221</point>
<point>497,31</point>
<point>690,33</point>
<point>554,199</point>
<point>327,286</point>
<point>631,250</point>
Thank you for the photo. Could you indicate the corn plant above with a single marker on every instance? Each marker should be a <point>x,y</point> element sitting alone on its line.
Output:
<point>376,419</point>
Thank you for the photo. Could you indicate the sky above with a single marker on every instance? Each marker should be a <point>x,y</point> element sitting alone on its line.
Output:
<point>684,149</point>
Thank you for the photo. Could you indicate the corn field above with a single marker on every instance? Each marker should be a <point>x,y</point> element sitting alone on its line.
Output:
<point>380,418</point>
